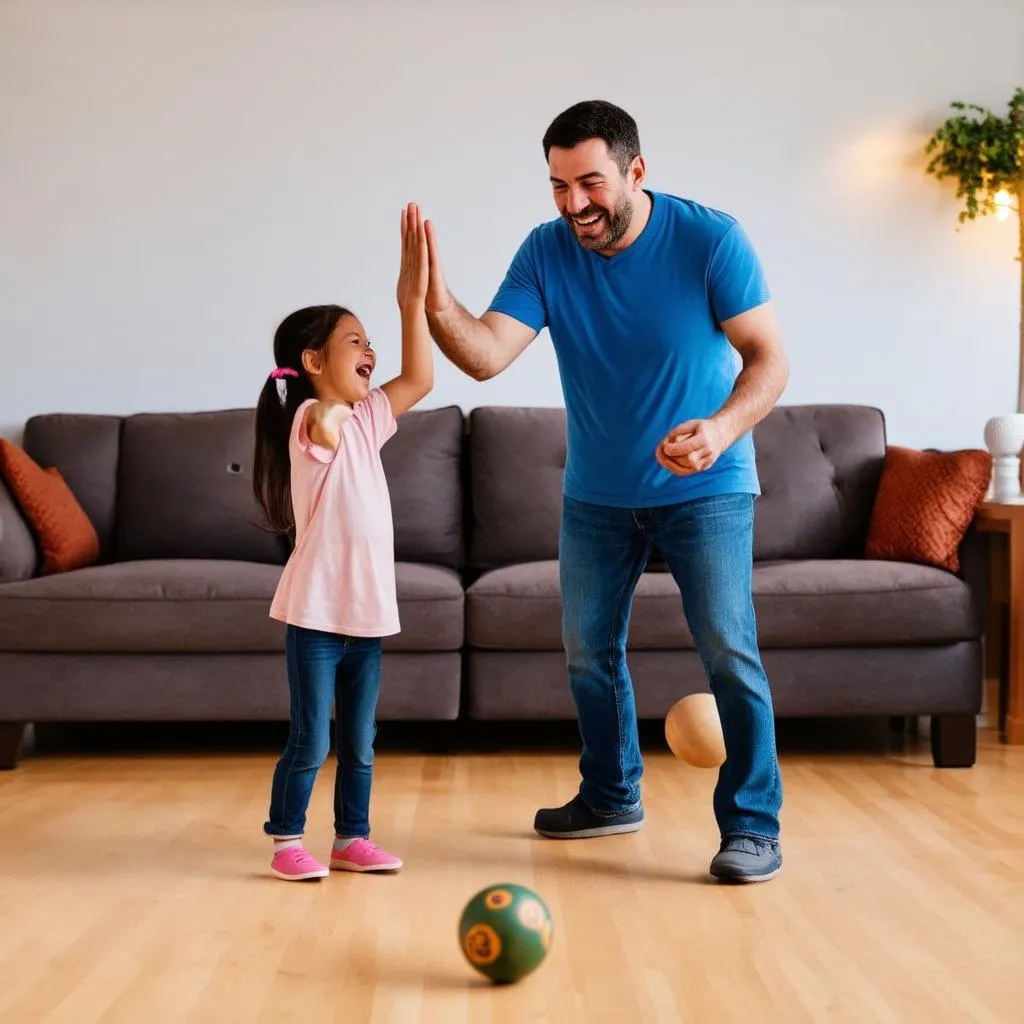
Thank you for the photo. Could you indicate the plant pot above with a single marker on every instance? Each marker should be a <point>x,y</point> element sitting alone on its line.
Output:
<point>1004,438</point>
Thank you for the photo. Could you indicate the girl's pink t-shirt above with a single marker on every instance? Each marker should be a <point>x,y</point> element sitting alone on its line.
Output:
<point>340,577</point>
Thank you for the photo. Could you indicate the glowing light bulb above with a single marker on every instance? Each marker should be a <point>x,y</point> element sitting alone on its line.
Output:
<point>1002,201</point>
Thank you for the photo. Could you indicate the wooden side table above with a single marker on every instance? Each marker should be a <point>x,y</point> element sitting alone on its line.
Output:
<point>1007,590</point>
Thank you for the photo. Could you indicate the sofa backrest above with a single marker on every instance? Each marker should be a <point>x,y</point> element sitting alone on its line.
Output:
<point>179,485</point>
<point>818,465</point>
<point>423,464</point>
<point>184,489</point>
<point>516,464</point>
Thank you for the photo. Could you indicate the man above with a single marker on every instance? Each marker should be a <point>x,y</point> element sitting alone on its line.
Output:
<point>647,298</point>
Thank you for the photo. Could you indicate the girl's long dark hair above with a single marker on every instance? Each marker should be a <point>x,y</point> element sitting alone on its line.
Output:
<point>308,328</point>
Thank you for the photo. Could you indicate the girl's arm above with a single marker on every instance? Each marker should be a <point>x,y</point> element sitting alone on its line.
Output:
<point>417,377</point>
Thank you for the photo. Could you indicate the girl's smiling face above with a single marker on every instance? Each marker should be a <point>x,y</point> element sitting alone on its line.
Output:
<point>342,369</point>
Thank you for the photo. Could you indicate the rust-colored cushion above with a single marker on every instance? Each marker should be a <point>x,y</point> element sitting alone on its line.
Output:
<point>925,503</point>
<point>67,539</point>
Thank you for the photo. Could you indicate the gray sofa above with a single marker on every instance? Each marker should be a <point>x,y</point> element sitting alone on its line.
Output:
<point>173,624</point>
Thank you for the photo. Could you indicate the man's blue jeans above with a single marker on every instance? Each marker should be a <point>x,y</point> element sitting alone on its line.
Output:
<point>707,544</point>
<point>325,671</point>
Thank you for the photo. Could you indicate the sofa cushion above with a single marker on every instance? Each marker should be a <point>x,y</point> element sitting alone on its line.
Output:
<point>517,462</point>
<point>184,489</point>
<point>811,603</point>
<point>431,605</point>
<point>84,449</point>
<point>925,504</point>
<point>18,554</point>
<point>829,602</point>
<point>198,605</point>
<point>423,466</point>
<point>819,467</point>
<point>66,537</point>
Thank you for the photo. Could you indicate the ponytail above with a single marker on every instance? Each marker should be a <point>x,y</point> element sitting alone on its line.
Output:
<point>271,472</point>
<point>287,387</point>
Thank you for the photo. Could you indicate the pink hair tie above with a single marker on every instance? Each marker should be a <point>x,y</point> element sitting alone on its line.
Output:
<point>283,371</point>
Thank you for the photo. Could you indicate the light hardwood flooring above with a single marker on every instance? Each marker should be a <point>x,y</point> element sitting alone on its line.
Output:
<point>135,889</point>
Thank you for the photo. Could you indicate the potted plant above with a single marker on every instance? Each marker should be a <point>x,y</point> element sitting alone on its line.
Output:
<point>985,154</point>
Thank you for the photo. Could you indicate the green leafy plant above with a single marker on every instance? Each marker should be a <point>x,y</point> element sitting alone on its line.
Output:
<point>985,154</point>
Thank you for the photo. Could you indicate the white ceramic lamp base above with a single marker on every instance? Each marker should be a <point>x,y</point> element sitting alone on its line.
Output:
<point>1004,438</point>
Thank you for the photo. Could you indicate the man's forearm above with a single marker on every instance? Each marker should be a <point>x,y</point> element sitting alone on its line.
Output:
<point>465,340</point>
<point>757,389</point>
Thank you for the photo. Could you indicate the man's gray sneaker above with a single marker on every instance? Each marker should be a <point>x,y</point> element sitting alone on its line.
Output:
<point>575,820</point>
<point>745,859</point>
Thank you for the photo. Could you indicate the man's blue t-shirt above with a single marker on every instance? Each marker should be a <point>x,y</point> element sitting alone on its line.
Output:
<point>639,346</point>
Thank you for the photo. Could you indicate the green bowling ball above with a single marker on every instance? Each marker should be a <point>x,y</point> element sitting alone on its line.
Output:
<point>505,932</point>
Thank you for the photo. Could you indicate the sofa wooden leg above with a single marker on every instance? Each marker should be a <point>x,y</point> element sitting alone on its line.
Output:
<point>11,736</point>
<point>954,741</point>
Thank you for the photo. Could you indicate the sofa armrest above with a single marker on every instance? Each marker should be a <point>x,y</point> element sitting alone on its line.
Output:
<point>975,558</point>
<point>18,556</point>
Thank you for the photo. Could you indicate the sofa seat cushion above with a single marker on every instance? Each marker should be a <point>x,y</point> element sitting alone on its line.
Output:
<point>807,603</point>
<point>843,602</point>
<point>199,605</point>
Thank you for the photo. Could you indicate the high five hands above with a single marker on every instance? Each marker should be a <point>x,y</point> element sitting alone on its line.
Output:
<point>421,277</point>
<point>413,274</point>
<point>437,291</point>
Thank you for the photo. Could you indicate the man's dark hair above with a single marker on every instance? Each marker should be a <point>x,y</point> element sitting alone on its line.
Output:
<point>596,119</point>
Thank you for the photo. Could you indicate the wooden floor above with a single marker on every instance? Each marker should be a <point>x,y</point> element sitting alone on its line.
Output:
<point>135,889</point>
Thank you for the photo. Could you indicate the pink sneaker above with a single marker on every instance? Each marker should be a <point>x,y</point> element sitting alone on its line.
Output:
<point>362,855</point>
<point>297,864</point>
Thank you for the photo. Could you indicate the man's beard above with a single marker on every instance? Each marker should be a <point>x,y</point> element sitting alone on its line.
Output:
<point>616,224</point>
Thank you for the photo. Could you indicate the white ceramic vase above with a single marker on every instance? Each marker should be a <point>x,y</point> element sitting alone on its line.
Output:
<point>1004,438</point>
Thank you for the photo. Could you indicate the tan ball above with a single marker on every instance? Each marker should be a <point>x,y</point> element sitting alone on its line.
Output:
<point>693,731</point>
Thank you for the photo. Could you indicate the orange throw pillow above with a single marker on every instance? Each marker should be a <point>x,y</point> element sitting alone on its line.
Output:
<point>66,536</point>
<point>925,503</point>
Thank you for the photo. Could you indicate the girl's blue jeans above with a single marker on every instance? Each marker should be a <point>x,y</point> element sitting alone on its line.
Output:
<point>327,671</point>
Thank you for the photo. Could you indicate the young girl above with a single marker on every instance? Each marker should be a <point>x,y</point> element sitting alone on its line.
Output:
<point>317,473</point>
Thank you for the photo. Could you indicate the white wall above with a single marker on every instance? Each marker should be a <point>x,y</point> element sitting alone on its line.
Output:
<point>177,176</point>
